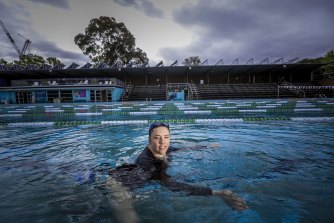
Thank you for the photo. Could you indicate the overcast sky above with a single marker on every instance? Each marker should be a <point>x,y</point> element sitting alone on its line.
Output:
<point>172,30</point>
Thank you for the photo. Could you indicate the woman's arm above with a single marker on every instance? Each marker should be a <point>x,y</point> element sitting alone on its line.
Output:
<point>184,187</point>
<point>230,198</point>
<point>197,147</point>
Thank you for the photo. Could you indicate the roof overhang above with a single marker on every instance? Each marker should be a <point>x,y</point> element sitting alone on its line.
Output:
<point>157,71</point>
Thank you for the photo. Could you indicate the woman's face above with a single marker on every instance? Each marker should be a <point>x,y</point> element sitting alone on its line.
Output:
<point>159,141</point>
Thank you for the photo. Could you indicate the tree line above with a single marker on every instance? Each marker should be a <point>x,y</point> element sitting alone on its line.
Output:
<point>326,71</point>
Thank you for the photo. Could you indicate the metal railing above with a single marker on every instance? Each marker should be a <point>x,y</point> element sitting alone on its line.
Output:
<point>322,96</point>
<point>66,81</point>
<point>193,92</point>
<point>292,88</point>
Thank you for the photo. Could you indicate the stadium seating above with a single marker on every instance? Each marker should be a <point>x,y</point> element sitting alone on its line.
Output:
<point>148,92</point>
<point>231,91</point>
<point>226,91</point>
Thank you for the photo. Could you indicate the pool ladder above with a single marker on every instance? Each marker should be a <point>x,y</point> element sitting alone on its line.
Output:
<point>322,96</point>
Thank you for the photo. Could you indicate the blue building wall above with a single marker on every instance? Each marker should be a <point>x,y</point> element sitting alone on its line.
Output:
<point>7,97</point>
<point>41,96</point>
<point>81,95</point>
<point>117,94</point>
<point>176,96</point>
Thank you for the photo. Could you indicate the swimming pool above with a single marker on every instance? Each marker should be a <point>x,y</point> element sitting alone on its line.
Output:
<point>54,166</point>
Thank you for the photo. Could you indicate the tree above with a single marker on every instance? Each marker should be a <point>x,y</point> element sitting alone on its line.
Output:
<point>328,69</point>
<point>311,60</point>
<point>107,41</point>
<point>25,60</point>
<point>53,61</point>
<point>3,61</point>
<point>192,61</point>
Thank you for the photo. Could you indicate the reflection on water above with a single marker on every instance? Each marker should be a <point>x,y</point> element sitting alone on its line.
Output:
<point>59,174</point>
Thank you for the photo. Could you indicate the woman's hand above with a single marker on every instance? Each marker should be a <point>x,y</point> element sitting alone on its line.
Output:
<point>231,199</point>
<point>214,145</point>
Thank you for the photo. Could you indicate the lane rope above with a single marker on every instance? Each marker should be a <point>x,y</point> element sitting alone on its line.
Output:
<point>170,121</point>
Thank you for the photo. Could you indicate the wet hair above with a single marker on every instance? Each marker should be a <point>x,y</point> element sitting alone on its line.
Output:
<point>156,125</point>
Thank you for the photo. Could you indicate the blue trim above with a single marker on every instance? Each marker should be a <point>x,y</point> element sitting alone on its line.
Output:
<point>7,97</point>
<point>117,94</point>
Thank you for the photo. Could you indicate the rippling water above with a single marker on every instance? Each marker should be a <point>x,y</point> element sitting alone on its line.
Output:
<point>284,170</point>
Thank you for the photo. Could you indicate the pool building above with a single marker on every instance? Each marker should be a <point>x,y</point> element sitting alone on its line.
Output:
<point>103,83</point>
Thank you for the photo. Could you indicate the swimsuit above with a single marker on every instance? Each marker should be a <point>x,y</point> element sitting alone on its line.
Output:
<point>148,167</point>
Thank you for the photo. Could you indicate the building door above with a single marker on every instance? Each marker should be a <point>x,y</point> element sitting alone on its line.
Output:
<point>101,95</point>
<point>23,97</point>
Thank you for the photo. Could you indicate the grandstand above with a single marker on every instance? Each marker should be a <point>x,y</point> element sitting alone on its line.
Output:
<point>103,83</point>
<point>227,91</point>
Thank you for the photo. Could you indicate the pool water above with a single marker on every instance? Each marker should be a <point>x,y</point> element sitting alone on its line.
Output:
<point>58,173</point>
<point>283,170</point>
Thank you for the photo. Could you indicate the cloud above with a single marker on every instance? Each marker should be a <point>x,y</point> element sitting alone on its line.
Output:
<point>50,49</point>
<point>22,24</point>
<point>55,3</point>
<point>14,24</point>
<point>14,15</point>
<point>256,28</point>
<point>144,5</point>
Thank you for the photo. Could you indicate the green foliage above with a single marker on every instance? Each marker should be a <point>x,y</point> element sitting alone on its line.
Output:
<point>52,61</point>
<point>192,61</point>
<point>329,57</point>
<point>107,41</point>
<point>3,61</point>
<point>326,71</point>
<point>311,60</point>
<point>25,60</point>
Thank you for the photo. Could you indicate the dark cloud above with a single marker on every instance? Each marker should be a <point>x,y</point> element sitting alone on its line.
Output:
<point>14,25</point>
<point>21,24</point>
<point>55,3</point>
<point>144,5</point>
<point>256,28</point>
<point>12,15</point>
<point>50,49</point>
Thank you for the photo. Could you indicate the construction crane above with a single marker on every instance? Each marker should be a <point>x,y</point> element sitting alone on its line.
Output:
<point>26,45</point>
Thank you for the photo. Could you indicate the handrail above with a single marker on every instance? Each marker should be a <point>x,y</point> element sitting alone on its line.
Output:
<point>67,81</point>
<point>193,91</point>
<point>322,96</point>
<point>285,84</point>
